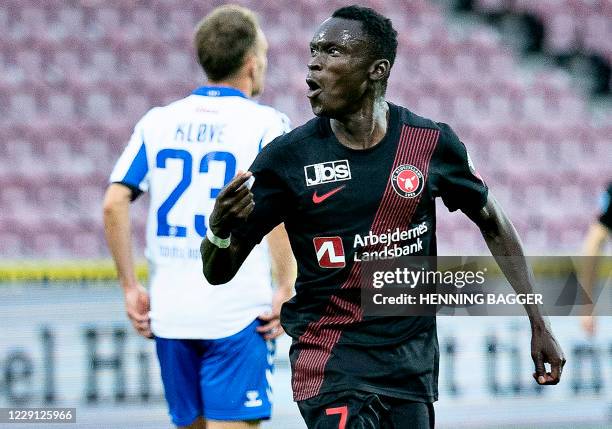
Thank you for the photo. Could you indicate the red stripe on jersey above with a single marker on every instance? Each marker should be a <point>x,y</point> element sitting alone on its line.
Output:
<point>416,146</point>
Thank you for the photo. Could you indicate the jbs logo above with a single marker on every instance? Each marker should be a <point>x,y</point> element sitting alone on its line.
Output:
<point>327,172</point>
<point>330,252</point>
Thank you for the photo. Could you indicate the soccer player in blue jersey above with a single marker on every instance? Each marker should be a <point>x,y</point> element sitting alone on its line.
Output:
<point>212,343</point>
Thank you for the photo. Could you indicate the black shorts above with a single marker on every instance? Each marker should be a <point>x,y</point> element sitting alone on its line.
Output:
<point>363,410</point>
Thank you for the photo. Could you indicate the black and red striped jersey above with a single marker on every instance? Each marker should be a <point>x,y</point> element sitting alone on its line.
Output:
<point>341,207</point>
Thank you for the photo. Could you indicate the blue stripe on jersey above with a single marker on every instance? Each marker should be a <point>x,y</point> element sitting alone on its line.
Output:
<point>260,146</point>
<point>219,91</point>
<point>604,202</point>
<point>139,168</point>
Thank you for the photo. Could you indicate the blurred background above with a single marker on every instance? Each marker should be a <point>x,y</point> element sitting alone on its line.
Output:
<point>525,84</point>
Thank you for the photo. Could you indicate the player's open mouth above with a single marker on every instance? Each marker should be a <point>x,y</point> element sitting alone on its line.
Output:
<point>314,88</point>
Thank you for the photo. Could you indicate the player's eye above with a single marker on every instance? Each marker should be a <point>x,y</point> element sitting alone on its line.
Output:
<point>313,51</point>
<point>333,51</point>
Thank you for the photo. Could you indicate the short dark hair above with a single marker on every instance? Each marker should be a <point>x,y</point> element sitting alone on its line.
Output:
<point>223,38</point>
<point>378,28</point>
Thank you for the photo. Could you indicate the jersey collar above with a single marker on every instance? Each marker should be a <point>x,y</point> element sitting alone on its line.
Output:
<point>218,91</point>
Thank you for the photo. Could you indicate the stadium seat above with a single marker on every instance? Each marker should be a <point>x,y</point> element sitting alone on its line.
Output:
<point>100,65</point>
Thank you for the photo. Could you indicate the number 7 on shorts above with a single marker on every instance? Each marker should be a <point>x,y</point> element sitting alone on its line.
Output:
<point>343,411</point>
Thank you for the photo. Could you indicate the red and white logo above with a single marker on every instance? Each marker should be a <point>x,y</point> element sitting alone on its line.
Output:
<point>330,252</point>
<point>407,181</point>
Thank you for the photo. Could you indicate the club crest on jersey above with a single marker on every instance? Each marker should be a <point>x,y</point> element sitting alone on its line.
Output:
<point>327,172</point>
<point>330,252</point>
<point>407,181</point>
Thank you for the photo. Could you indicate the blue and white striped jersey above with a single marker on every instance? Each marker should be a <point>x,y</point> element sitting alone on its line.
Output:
<point>182,155</point>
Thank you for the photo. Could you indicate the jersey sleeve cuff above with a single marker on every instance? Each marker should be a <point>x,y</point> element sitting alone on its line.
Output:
<point>136,192</point>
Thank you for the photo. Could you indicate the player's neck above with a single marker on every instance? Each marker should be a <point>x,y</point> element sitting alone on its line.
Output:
<point>365,128</point>
<point>242,84</point>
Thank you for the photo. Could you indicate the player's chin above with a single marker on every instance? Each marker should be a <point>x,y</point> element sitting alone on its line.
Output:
<point>317,109</point>
<point>320,108</point>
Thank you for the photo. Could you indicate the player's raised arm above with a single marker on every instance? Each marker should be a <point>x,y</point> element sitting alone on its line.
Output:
<point>222,253</point>
<point>503,241</point>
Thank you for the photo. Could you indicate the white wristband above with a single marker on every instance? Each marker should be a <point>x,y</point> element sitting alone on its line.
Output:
<point>221,243</point>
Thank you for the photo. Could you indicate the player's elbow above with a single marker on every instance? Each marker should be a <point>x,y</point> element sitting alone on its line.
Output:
<point>491,220</point>
<point>110,211</point>
<point>491,231</point>
<point>116,198</point>
<point>109,207</point>
<point>220,265</point>
<point>217,277</point>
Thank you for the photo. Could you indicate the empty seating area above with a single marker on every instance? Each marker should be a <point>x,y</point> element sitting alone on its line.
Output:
<point>570,24</point>
<point>77,75</point>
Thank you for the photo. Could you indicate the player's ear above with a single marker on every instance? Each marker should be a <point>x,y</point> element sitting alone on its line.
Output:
<point>249,66</point>
<point>379,70</point>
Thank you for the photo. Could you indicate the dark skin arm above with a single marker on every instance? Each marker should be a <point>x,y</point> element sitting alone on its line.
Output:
<point>232,207</point>
<point>503,240</point>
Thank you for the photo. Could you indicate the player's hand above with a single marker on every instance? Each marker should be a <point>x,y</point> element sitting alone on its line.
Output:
<point>588,324</point>
<point>233,205</point>
<point>271,328</point>
<point>137,306</point>
<point>545,349</point>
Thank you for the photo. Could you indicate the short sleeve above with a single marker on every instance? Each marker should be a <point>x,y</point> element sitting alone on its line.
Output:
<point>279,125</point>
<point>270,194</point>
<point>458,183</point>
<point>605,216</point>
<point>132,168</point>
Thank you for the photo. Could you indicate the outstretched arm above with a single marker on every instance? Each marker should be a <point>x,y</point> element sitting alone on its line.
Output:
<point>503,241</point>
<point>232,207</point>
